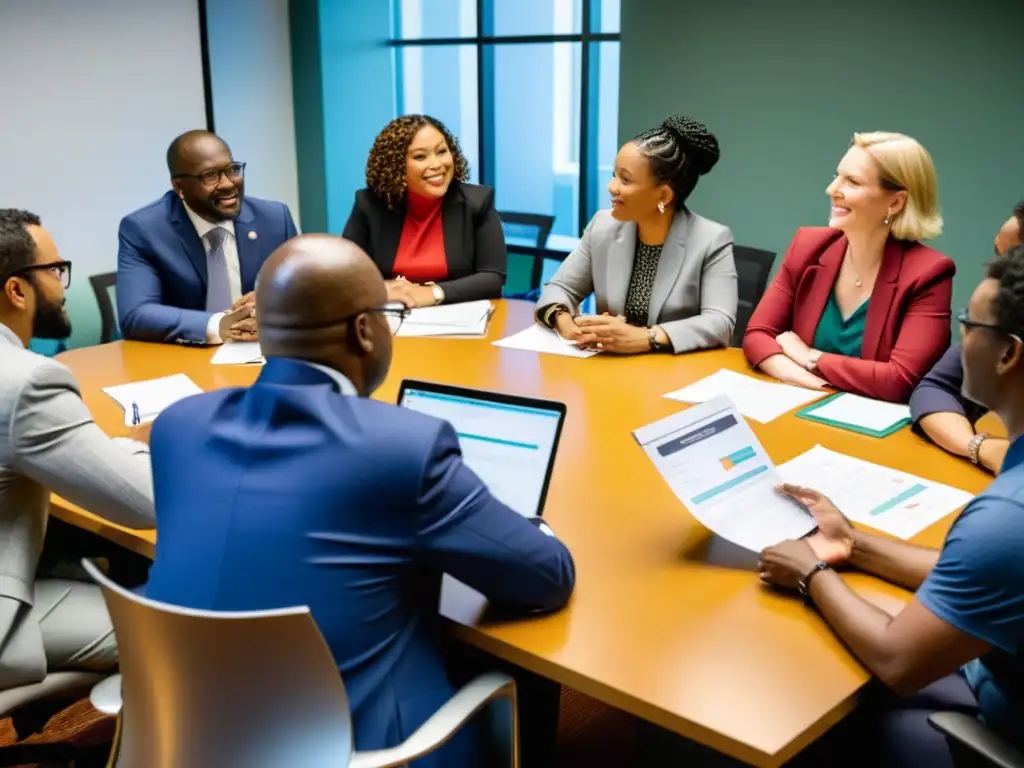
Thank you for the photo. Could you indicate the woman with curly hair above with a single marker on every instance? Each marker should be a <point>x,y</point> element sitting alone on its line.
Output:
<point>663,277</point>
<point>435,238</point>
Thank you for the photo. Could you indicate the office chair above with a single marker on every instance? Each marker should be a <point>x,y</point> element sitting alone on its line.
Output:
<point>972,744</point>
<point>24,705</point>
<point>101,285</point>
<point>753,266</point>
<point>258,689</point>
<point>538,251</point>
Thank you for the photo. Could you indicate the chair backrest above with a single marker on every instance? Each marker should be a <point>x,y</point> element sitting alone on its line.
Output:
<point>101,286</point>
<point>753,267</point>
<point>200,688</point>
<point>542,222</point>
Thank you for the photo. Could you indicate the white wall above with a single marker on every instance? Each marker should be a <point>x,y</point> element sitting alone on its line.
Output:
<point>251,73</point>
<point>93,94</point>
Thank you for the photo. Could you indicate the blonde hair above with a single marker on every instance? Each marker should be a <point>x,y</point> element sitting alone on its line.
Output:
<point>904,164</point>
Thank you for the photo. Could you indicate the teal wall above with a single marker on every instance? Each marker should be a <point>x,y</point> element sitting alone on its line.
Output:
<point>344,95</point>
<point>785,84</point>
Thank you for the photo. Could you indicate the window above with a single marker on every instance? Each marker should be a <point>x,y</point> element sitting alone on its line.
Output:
<point>529,87</point>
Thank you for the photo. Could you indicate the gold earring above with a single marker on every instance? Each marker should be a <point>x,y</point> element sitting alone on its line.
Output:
<point>661,207</point>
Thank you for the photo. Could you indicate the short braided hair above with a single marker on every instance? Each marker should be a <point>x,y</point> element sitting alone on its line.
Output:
<point>1008,304</point>
<point>385,167</point>
<point>17,248</point>
<point>679,151</point>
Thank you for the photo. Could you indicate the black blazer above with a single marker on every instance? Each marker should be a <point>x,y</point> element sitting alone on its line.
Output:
<point>474,243</point>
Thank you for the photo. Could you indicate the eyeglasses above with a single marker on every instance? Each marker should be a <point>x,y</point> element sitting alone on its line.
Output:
<point>964,319</point>
<point>394,312</point>
<point>234,172</point>
<point>59,269</point>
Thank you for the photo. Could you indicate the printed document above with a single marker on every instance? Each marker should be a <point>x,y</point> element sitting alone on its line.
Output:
<point>711,459</point>
<point>858,411</point>
<point>537,338</point>
<point>890,501</point>
<point>151,397</point>
<point>755,399</point>
<point>465,319</point>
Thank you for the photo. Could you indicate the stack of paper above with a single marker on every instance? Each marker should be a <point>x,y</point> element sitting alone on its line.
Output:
<point>755,399</point>
<point>891,501</point>
<point>149,398</point>
<point>537,338</point>
<point>859,414</point>
<point>466,319</point>
<point>238,353</point>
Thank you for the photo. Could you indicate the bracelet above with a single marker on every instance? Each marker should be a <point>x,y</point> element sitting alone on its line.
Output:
<point>974,447</point>
<point>652,339</point>
<point>805,583</point>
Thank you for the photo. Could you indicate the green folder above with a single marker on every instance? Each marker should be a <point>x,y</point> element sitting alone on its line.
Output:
<point>808,412</point>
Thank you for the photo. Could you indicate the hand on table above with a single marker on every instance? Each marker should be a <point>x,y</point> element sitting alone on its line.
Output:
<point>248,299</point>
<point>565,326</point>
<point>794,348</point>
<point>785,565</point>
<point>239,324</point>
<point>613,334</point>
<point>411,294</point>
<point>833,541</point>
<point>992,452</point>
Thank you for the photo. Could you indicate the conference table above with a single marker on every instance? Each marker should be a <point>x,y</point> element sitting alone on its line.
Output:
<point>667,622</point>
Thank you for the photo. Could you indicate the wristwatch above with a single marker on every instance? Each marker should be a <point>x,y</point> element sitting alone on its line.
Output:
<point>812,360</point>
<point>974,447</point>
<point>438,292</point>
<point>805,583</point>
<point>652,340</point>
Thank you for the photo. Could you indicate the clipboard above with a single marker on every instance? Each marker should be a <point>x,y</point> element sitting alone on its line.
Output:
<point>809,412</point>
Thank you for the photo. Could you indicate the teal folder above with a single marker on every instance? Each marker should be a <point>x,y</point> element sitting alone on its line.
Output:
<point>808,412</point>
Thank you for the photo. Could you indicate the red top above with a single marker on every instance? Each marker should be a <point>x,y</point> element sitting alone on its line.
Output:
<point>907,327</point>
<point>420,257</point>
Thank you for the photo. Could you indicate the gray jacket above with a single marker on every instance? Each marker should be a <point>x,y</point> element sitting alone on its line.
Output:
<point>49,442</point>
<point>695,290</point>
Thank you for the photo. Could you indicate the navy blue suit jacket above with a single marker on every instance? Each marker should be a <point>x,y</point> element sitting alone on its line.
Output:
<point>161,266</point>
<point>940,391</point>
<point>290,493</point>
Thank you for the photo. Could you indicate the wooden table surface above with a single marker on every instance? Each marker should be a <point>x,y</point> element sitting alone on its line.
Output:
<point>667,622</point>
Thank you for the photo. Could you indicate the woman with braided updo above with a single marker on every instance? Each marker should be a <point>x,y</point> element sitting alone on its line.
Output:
<point>663,277</point>
<point>435,238</point>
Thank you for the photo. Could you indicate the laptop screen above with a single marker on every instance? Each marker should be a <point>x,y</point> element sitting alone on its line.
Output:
<point>508,442</point>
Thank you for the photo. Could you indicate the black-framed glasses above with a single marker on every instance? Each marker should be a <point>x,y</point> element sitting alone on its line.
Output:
<point>59,269</point>
<point>233,172</point>
<point>394,312</point>
<point>964,318</point>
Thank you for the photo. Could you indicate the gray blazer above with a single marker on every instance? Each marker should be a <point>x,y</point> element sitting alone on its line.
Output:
<point>49,442</point>
<point>695,290</point>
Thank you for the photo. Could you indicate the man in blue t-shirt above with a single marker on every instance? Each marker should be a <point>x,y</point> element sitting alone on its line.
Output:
<point>958,645</point>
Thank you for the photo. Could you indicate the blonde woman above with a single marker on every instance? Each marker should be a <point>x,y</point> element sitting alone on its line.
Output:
<point>861,305</point>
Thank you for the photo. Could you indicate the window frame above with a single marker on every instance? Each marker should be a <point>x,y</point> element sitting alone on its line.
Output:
<point>484,41</point>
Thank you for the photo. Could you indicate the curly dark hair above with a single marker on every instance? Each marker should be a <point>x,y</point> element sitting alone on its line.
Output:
<point>1008,304</point>
<point>17,248</point>
<point>385,167</point>
<point>1018,214</point>
<point>680,150</point>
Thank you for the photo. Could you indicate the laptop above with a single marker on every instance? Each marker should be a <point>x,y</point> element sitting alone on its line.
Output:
<point>508,441</point>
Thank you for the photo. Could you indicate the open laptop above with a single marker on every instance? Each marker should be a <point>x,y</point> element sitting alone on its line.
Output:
<point>508,441</point>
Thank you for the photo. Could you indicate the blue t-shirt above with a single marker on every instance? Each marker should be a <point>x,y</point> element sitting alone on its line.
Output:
<point>978,587</point>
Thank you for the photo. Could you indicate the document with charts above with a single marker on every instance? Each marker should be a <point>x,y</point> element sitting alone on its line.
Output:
<point>714,463</point>
<point>891,501</point>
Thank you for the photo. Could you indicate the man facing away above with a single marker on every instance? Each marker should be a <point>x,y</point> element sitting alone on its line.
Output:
<point>187,263</point>
<point>49,442</point>
<point>303,491</point>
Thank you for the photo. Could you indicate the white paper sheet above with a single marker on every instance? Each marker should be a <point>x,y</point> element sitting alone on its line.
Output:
<point>537,338</point>
<point>894,502</point>
<point>715,465</point>
<point>468,319</point>
<point>755,399</point>
<point>863,412</point>
<point>152,396</point>
<point>238,353</point>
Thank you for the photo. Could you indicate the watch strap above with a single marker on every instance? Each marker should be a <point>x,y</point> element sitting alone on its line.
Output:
<point>805,583</point>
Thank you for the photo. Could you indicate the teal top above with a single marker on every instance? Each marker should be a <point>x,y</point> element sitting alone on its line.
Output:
<point>839,336</point>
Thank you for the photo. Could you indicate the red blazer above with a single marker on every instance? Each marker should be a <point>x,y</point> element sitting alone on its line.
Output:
<point>907,327</point>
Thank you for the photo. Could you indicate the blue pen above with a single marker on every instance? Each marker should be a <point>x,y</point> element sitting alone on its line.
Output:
<point>136,419</point>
